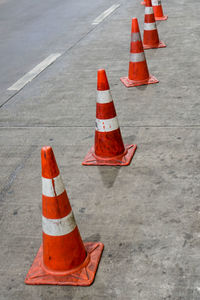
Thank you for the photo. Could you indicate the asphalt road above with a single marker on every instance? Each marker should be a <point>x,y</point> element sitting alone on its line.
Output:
<point>30,31</point>
<point>146,214</point>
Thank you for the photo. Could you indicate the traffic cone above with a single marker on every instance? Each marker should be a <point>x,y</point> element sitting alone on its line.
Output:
<point>62,259</point>
<point>150,37</point>
<point>158,11</point>
<point>109,148</point>
<point>138,69</point>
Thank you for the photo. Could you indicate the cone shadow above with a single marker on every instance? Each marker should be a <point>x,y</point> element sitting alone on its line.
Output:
<point>108,174</point>
<point>94,237</point>
<point>153,53</point>
<point>129,139</point>
<point>158,23</point>
<point>142,87</point>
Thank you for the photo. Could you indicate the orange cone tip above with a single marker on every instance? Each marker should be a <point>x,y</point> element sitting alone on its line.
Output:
<point>102,81</point>
<point>109,148</point>
<point>63,258</point>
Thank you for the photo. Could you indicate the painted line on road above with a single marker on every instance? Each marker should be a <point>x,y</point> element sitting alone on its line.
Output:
<point>105,14</point>
<point>28,77</point>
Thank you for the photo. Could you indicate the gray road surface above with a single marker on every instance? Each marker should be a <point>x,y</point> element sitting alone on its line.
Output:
<point>32,30</point>
<point>147,214</point>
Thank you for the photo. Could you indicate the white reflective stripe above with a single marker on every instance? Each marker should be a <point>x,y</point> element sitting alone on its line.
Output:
<point>156,2</point>
<point>148,10</point>
<point>107,125</point>
<point>104,96</point>
<point>135,37</point>
<point>106,13</point>
<point>52,187</point>
<point>58,227</point>
<point>137,57</point>
<point>149,26</point>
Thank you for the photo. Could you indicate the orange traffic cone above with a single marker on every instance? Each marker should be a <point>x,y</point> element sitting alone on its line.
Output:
<point>109,148</point>
<point>62,259</point>
<point>150,37</point>
<point>158,11</point>
<point>138,69</point>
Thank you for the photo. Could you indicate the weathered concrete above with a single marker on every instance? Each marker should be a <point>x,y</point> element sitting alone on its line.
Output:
<point>147,214</point>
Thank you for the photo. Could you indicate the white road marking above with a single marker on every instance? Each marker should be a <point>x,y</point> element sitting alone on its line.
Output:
<point>28,77</point>
<point>105,14</point>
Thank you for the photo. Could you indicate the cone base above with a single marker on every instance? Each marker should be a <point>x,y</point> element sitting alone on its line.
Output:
<point>83,275</point>
<point>123,160</point>
<point>130,83</point>
<point>163,18</point>
<point>161,44</point>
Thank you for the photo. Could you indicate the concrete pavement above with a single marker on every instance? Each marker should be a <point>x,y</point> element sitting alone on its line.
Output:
<point>147,214</point>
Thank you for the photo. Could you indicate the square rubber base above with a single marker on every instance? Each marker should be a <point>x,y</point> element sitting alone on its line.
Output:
<point>130,83</point>
<point>161,44</point>
<point>83,275</point>
<point>163,18</point>
<point>123,160</point>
